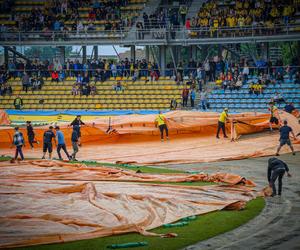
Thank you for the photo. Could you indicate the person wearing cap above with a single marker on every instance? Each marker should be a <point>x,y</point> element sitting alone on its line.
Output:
<point>30,134</point>
<point>161,123</point>
<point>18,141</point>
<point>276,169</point>
<point>77,122</point>
<point>285,131</point>
<point>221,123</point>
<point>47,146</point>
<point>61,143</point>
<point>74,139</point>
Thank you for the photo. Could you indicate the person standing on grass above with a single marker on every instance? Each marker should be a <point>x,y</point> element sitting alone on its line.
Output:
<point>61,143</point>
<point>276,169</point>
<point>30,134</point>
<point>18,142</point>
<point>77,123</point>
<point>48,136</point>
<point>221,123</point>
<point>74,139</point>
<point>161,122</point>
<point>285,131</point>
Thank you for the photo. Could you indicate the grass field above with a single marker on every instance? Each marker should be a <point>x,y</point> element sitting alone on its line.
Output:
<point>204,227</point>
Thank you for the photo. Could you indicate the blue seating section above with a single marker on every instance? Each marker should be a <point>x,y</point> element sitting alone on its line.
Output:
<point>241,100</point>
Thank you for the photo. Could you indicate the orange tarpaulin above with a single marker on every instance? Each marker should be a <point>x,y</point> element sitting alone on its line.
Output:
<point>4,120</point>
<point>133,128</point>
<point>47,202</point>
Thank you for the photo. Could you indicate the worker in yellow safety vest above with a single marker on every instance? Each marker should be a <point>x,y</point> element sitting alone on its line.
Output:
<point>160,122</point>
<point>221,123</point>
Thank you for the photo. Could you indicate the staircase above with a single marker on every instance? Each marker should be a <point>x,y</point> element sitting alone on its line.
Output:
<point>149,8</point>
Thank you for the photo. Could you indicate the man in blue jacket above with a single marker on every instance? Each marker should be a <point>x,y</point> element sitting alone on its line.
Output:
<point>61,143</point>
<point>276,169</point>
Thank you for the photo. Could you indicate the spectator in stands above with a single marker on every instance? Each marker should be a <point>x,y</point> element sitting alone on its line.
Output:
<point>192,97</point>
<point>135,75</point>
<point>185,96</point>
<point>118,87</point>
<point>62,76</point>
<point>54,76</point>
<point>85,79</point>
<point>278,98</point>
<point>245,72</point>
<point>25,82</point>
<point>203,99</point>
<point>153,75</point>
<point>93,90</point>
<point>279,77</point>
<point>183,11</point>
<point>74,89</point>
<point>297,78</point>
<point>79,79</point>
<point>18,102</point>
<point>289,107</point>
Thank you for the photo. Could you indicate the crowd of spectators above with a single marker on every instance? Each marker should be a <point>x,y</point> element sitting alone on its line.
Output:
<point>5,87</point>
<point>54,14</point>
<point>263,15</point>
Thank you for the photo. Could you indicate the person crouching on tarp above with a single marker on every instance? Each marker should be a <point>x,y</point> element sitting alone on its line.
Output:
<point>221,123</point>
<point>161,122</point>
<point>276,169</point>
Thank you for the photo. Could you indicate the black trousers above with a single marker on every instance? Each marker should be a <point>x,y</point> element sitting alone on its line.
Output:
<point>19,151</point>
<point>31,140</point>
<point>221,125</point>
<point>277,174</point>
<point>161,129</point>
<point>62,146</point>
<point>184,101</point>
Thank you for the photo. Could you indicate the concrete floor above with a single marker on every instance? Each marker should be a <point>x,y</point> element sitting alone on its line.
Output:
<point>278,226</point>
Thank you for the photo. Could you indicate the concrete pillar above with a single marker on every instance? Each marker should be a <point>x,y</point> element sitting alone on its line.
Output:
<point>162,59</point>
<point>5,55</point>
<point>14,55</point>
<point>147,53</point>
<point>132,52</point>
<point>62,54</point>
<point>96,52</point>
<point>83,54</point>
<point>193,52</point>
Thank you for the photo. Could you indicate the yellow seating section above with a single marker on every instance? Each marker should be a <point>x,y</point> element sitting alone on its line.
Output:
<point>137,95</point>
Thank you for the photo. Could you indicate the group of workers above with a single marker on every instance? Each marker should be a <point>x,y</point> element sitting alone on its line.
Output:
<point>48,137</point>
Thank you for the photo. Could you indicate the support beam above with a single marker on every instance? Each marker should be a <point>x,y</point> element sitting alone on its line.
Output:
<point>147,53</point>
<point>96,53</point>
<point>162,59</point>
<point>61,54</point>
<point>84,54</point>
<point>193,52</point>
<point>16,53</point>
<point>6,55</point>
<point>132,52</point>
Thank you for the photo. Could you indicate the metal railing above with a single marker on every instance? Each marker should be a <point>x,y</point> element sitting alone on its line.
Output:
<point>159,33</point>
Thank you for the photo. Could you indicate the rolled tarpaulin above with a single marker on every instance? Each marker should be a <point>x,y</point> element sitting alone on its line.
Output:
<point>178,224</point>
<point>127,245</point>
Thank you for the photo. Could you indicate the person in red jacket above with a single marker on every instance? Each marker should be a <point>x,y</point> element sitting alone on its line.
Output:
<point>185,96</point>
<point>54,76</point>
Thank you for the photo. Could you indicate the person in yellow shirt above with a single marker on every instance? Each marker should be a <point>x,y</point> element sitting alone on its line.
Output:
<point>161,123</point>
<point>221,123</point>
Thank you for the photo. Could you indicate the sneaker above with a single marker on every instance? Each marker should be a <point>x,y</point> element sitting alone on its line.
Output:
<point>225,136</point>
<point>75,159</point>
<point>294,153</point>
<point>217,137</point>
<point>277,154</point>
<point>162,140</point>
<point>43,158</point>
<point>168,138</point>
<point>61,159</point>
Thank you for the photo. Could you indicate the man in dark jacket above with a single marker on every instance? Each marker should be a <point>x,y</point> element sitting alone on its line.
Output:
<point>276,169</point>
<point>77,123</point>
<point>48,136</point>
<point>74,139</point>
<point>30,134</point>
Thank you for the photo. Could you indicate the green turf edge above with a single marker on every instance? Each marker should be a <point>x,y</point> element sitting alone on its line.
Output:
<point>204,227</point>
